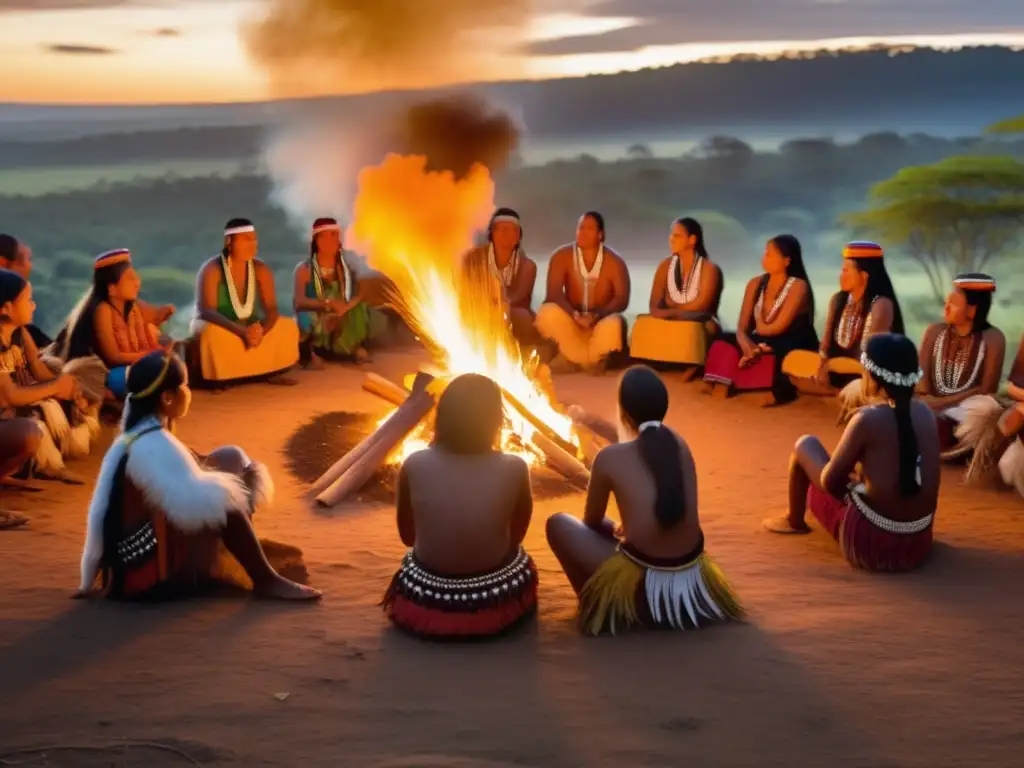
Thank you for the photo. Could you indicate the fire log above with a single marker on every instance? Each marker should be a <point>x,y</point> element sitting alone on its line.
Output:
<point>562,461</point>
<point>375,449</point>
<point>384,389</point>
<point>540,426</point>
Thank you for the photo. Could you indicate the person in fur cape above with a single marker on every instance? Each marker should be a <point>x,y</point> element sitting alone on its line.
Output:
<point>163,519</point>
<point>29,388</point>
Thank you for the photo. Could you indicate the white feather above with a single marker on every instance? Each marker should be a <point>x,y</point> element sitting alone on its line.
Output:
<point>670,594</point>
<point>1011,466</point>
<point>56,420</point>
<point>978,415</point>
<point>48,456</point>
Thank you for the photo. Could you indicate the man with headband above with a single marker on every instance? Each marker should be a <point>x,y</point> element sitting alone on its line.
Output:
<point>587,291</point>
<point>333,318</point>
<point>239,333</point>
<point>505,260</point>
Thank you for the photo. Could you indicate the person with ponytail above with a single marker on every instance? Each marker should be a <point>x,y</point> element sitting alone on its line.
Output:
<point>466,573</point>
<point>962,359</point>
<point>653,569</point>
<point>110,323</point>
<point>504,260</point>
<point>865,304</point>
<point>238,333</point>
<point>30,389</point>
<point>684,303</point>
<point>160,513</point>
<point>877,494</point>
<point>776,318</point>
<point>333,319</point>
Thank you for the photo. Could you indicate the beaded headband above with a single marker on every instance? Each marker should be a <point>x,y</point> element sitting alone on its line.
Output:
<point>110,258</point>
<point>975,283</point>
<point>155,385</point>
<point>863,249</point>
<point>327,226</point>
<point>239,230</point>
<point>905,380</point>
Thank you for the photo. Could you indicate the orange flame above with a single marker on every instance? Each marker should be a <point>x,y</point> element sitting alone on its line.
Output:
<point>415,225</point>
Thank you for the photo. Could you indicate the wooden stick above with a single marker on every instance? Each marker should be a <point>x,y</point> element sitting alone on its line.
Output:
<point>390,434</point>
<point>562,461</point>
<point>384,389</point>
<point>540,426</point>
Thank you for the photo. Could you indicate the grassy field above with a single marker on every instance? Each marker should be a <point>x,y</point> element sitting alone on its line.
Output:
<point>40,181</point>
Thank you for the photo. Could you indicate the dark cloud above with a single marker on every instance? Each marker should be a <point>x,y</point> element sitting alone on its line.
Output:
<point>67,49</point>
<point>670,22</point>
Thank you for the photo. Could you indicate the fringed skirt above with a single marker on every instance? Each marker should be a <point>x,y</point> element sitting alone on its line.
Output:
<point>867,539</point>
<point>627,591</point>
<point>435,606</point>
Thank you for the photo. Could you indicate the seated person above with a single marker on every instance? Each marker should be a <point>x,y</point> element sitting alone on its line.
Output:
<point>333,319</point>
<point>962,359</point>
<point>17,257</point>
<point>881,515</point>
<point>160,514</point>
<point>866,303</point>
<point>241,337</point>
<point>111,323</point>
<point>587,292</point>
<point>504,258</point>
<point>29,389</point>
<point>653,570</point>
<point>685,295</point>
<point>19,440</point>
<point>776,318</point>
<point>466,573</point>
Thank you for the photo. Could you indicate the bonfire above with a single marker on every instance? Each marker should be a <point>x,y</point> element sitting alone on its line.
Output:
<point>414,225</point>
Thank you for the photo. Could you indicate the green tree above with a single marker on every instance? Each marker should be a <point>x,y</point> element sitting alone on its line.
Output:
<point>1009,125</point>
<point>953,216</point>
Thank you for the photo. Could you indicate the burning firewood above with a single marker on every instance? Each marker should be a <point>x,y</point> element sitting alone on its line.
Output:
<point>562,461</point>
<point>374,450</point>
<point>384,389</point>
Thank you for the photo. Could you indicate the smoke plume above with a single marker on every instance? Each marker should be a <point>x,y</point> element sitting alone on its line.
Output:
<point>347,46</point>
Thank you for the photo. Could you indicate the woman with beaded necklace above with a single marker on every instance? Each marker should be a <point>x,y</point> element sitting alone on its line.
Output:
<point>883,518</point>
<point>776,318</point>
<point>684,302</point>
<point>238,332</point>
<point>865,304</point>
<point>962,359</point>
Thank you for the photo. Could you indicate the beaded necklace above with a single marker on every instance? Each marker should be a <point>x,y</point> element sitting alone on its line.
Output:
<point>506,274</point>
<point>242,311</point>
<point>319,275</point>
<point>591,276</point>
<point>948,372</point>
<point>779,301</point>
<point>689,290</point>
<point>854,321</point>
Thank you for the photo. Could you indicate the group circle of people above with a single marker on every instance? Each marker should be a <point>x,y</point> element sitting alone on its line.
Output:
<point>163,518</point>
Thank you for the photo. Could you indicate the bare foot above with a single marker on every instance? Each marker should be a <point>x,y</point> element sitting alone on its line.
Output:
<point>722,392</point>
<point>63,475</point>
<point>784,525</point>
<point>690,374</point>
<point>708,388</point>
<point>281,380</point>
<point>9,520</point>
<point>20,485</point>
<point>597,369</point>
<point>559,364</point>
<point>282,589</point>
<point>315,364</point>
<point>362,356</point>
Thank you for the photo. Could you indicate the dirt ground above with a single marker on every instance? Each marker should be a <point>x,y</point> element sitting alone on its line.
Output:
<point>834,668</point>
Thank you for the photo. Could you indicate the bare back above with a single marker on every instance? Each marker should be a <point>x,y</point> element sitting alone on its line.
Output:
<point>620,470</point>
<point>467,512</point>
<point>871,439</point>
<point>565,280</point>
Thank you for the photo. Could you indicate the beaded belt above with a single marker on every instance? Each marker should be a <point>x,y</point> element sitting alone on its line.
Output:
<point>137,545</point>
<point>890,526</point>
<point>418,584</point>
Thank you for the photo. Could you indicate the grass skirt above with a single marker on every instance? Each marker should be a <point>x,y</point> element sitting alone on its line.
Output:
<point>624,589</point>
<point>435,606</point>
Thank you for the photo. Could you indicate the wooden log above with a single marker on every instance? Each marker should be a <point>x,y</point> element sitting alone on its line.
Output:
<point>539,425</point>
<point>562,461</point>
<point>384,389</point>
<point>387,436</point>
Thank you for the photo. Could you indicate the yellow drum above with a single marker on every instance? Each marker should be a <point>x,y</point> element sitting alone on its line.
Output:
<point>683,342</point>
<point>803,364</point>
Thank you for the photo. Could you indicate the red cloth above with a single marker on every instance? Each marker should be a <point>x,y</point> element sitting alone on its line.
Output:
<point>864,544</point>
<point>723,367</point>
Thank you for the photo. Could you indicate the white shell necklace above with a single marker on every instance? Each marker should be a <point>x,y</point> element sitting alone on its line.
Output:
<point>688,292</point>
<point>779,301</point>
<point>947,372</point>
<point>851,322</point>
<point>242,311</point>
<point>589,277</point>
<point>506,274</point>
<point>318,278</point>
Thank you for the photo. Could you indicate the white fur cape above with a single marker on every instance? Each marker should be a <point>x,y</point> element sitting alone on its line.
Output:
<point>192,498</point>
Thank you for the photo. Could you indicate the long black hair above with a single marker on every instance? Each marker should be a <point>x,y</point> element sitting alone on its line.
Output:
<point>979,298</point>
<point>643,398</point>
<point>148,379</point>
<point>469,415</point>
<point>78,336</point>
<point>879,286</point>
<point>11,286</point>
<point>8,248</point>
<point>893,363</point>
<point>791,249</point>
<point>694,229</point>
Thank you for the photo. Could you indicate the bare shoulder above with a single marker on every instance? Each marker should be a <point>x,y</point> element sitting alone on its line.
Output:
<point>514,465</point>
<point>261,268</point>
<point>616,257</point>
<point>994,337</point>
<point>562,255</point>
<point>210,266</point>
<point>302,269</point>
<point>104,311</point>
<point>833,301</point>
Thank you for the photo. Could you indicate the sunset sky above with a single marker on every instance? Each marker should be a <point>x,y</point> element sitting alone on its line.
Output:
<point>153,51</point>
